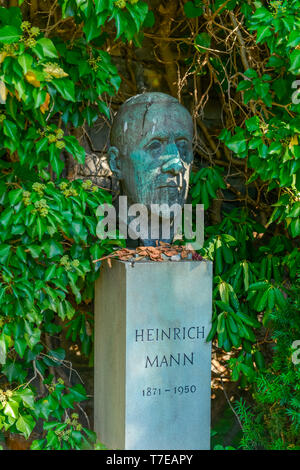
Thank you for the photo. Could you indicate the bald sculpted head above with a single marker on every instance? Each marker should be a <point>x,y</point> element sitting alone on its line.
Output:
<point>151,149</point>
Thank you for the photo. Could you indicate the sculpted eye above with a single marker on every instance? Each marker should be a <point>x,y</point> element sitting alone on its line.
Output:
<point>154,145</point>
<point>181,143</point>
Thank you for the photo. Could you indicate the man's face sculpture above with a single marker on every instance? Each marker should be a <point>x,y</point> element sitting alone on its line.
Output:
<point>151,150</point>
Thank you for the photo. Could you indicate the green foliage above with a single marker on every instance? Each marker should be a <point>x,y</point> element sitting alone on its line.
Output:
<point>65,432</point>
<point>38,75</point>
<point>270,141</point>
<point>47,246</point>
<point>273,422</point>
<point>128,16</point>
<point>16,410</point>
<point>248,280</point>
<point>193,9</point>
<point>253,263</point>
<point>48,224</point>
<point>20,412</point>
<point>231,246</point>
<point>204,185</point>
<point>256,265</point>
<point>223,427</point>
<point>220,447</point>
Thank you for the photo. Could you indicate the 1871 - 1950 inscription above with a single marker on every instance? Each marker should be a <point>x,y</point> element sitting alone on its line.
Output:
<point>171,335</point>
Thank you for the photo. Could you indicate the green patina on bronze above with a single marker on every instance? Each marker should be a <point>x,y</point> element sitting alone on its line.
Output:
<point>151,149</point>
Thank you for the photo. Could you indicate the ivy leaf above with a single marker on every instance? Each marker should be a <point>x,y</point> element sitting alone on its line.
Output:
<point>49,274</point>
<point>244,85</point>
<point>12,409</point>
<point>40,226</point>
<point>25,60</point>
<point>25,424</point>
<point>238,144</point>
<point>39,97</point>
<point>294,39</point>
<point>11,15</point>
<point>78,392</point>
<point>252,124</point>
<point>52,248</point>
<point>90,434</point>
<point>263,32</point>
<point>27,397</point>
<point>4,252</point>
<point>55,161</point>
<point>191,10</point>
<point>52,425</point>
<point>15,196</point>
<point>33,338</point>
<point>59,354</point>
<point>251,73</point>
<point>45,48</point>
<point>73,147</point>
<point>295,227</point>
<point>295,212</point>
<point>9,34</point>
<point>203,40</point>
<point>67,401</point>
<point>262,15</point>
<point>149,20</point>
<point>37,444</point>
<point>5,217</point>
<point>102,5</point>
<point>66,88</point>
<point>20,346</point>
<point>52,440</point>
<point>295,62</point>
<point>121,22</point>
<point>14,371</point>
<point>138,13</point>
<point>116,82</point>
<point>10,129</point>
<point>35,250</point>
<point>104,109</point>
<point>77,437</point>
<point>90,28</point>
<point>41,144</point>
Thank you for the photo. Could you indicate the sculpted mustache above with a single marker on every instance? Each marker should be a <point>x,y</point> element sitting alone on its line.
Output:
<point>179,182</point>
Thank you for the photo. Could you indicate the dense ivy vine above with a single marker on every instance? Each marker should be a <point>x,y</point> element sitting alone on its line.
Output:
<point>255,265</point>
<point>48,224</point>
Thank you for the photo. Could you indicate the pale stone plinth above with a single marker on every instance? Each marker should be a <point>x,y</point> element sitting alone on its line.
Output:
<point>152,363</point>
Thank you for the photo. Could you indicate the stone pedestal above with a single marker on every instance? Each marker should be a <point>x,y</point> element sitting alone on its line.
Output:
<point>152,363</point>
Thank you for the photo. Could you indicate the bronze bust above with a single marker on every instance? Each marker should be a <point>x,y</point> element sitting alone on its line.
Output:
<point>151,150</point>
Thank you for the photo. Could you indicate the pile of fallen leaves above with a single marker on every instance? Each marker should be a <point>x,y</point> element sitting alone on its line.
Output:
<point>161,252</point>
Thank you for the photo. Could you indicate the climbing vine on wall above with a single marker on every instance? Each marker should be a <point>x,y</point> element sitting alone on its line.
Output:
<point>48,87</point>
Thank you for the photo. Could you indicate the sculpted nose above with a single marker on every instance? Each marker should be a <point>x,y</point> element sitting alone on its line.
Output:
<point>173,164</point>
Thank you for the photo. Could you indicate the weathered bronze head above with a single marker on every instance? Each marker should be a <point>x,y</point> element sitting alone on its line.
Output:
<point>151,149</point>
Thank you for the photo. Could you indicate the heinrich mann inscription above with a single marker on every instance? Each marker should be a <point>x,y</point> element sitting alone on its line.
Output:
<point>171,334</point>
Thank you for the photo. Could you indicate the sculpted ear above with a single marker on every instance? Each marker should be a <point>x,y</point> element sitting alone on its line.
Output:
<point>114,161</point>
